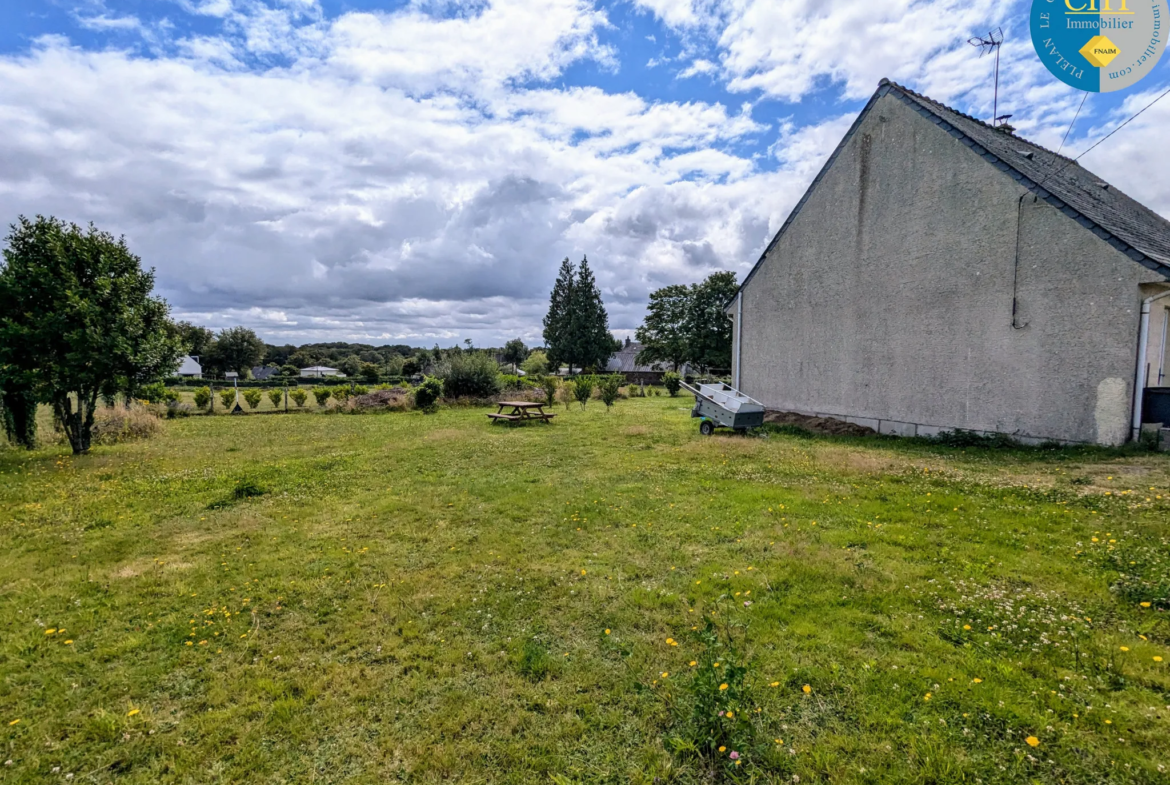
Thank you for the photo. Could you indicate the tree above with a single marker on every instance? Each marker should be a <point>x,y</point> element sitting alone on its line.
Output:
<point>515,352</point>
<point>253,397</point>
<point>18,410</point>
<point>589,324</point>
<point>557,333</point>
<point>369,372</point>
<point>536,364</point>
<point>290,370</point>
<point>708,327</point>
<point>663,333</point>
<point>77,321</point>
<point>236,349</point>
<point>196,340</point>
<point>350,366</point>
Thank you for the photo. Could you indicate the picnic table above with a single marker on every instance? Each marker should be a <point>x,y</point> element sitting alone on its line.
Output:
<point>522,411</point>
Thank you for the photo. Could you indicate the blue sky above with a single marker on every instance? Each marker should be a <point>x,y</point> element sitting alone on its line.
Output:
<point>397,171</point>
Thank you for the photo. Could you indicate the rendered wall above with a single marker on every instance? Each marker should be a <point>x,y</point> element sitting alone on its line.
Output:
<point>889,299</point>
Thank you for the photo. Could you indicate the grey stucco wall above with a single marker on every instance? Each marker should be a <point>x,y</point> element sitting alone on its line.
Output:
<point>889,299</point>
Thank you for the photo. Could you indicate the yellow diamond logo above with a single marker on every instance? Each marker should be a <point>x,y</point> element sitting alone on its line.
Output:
<point>1100,51</point>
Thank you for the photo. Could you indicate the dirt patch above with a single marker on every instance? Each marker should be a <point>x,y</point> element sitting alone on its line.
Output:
<point>396,398</point>
<point>819,425</point>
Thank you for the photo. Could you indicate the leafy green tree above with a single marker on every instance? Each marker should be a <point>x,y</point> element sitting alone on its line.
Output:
<point>549,385</point>
<point>299,397</point>
<point>350,366</point>
<point>536,364</point>
<point>18,410</point>
<point>196,340</point>
<point>253,396</point>
<point>470,375</point>
<point>426,396</point>
<point>608,387</point>
<point>708,327</point>
<point>289,370</point>
<point>236,349</point>
<point>276,395</point>
<point>77,321</point>
<point>369,372</point>
<point>663,333</point>
<point>515,352</point>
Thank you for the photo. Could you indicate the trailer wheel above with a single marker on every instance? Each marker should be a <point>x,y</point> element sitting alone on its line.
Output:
<point>706,427</point>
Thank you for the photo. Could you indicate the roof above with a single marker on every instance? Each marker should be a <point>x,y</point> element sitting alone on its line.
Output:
<point>624,360</point>
<point>260,372</point>
<point>318,368</point>
<point>188,366</point>
<point>1127,225</point>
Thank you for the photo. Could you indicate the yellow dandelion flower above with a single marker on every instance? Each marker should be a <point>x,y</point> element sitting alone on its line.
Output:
<point>68,642</point>
<point>132,712</point>
<point>1145,604</point>
<point>190,643</point>
<point>1157,658</point>
<point>1124,648</point>
<point>1108,722</point>
<point>607,632</point>
<point>716,665</point>
<point>722,749</point>
<point>723,686</point>
<point>731,715</point>
<point>774,684</point>
<point>807,689</point>
<point>665,674</point>
<point>50,631</point>
<point>977,680</point>
<point>966,626</point>
<point>692,663</point>
<point>926,697</point>
<point>14,722</point>
<point>1032,741</point>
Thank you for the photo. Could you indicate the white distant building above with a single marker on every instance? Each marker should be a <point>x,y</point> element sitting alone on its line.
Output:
<point>189,366</point>
<point>319,371</point>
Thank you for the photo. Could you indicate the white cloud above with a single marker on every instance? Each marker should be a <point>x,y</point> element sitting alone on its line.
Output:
<point>698,67</point>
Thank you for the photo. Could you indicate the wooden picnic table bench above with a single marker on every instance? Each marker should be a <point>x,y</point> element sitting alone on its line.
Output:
<point>522,411</point>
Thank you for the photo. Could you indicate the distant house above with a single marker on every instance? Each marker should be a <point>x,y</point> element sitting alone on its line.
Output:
<point>625,362</point>
<point>263,373</point>
<point>320,371</point>
<point>189,367</point>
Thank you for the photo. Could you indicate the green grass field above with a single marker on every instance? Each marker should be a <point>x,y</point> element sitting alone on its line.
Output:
<point>402,597</point>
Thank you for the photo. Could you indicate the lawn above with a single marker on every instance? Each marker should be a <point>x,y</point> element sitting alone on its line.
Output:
<point>403,597</point>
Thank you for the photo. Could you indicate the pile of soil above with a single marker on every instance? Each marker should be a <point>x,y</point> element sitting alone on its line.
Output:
<point>394,398</point>
<point>820,425</point>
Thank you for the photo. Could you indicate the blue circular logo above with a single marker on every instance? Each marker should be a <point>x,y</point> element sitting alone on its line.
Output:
<point>1099,45</point>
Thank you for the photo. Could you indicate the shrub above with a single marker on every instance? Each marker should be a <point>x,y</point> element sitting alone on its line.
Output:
<point>471,375</point>
<point>299,397</point>
<point>583,388</point>
<point>549,385</point>
<point>275,395</point>
<point>157,393</point>
<point>672,382</point>
<point>252,396</point>
<point>428,393</point>
<point>202,397</point>
<point>322,395</point>
<point>290,370</point>
<point>179,409</point>
<point>359,389</point>
<point>341,393</point>
<point>369,373</point>
<point>227,398</point>
<point>608,387</point>
<point>536,364</point>
<point>119,424</point>
<point>566,392</point>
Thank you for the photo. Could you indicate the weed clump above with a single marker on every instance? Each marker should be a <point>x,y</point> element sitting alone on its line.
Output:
<point>115,424</point>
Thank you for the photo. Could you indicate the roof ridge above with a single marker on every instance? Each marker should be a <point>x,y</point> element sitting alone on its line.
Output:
<point>927,99</point>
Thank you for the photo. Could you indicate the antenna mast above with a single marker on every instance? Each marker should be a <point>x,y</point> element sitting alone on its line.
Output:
<point>992,42</point>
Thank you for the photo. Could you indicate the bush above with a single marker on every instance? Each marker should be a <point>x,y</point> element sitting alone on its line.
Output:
<point>275,395</point>
<point>157,393</point>
<point>536,364</point>
<point>341,393</point>
<point>322,394</point>
<point>202,397</point>
<point>566,392</point>
<point>369,373</point>
<point>583,388</point>
<point>253,396</point>
<point>471,375</point>
<point>179,409</point>
<point>549,385</point>
<point>428,393</point>
<point>608,387</point>
<point>115,424</point>
<point>299,397</point>
<point>227,398</point>
<point>290,370</point>
<point>672,382</point>
<point>359,389</point>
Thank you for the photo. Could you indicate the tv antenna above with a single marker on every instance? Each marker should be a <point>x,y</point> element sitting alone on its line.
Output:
<point>991,43</point>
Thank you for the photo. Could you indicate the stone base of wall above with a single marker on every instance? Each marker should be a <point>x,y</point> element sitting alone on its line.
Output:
<point>899,428</point>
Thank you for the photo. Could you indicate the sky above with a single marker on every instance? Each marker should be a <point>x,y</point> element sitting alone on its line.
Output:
<point>413,172</point>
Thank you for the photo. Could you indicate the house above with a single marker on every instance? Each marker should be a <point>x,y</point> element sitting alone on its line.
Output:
<point>319,371</point>
<point>943,274</point>
<point>625,362</point>
<point>262,373</point>
<point>189,367</point>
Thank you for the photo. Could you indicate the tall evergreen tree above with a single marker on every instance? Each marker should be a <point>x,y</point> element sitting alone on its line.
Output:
<point>593,344</point>
<point>557,327</point>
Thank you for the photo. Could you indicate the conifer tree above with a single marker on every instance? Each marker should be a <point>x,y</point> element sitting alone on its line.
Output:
<point>589,324</point>
<point>557,336</point>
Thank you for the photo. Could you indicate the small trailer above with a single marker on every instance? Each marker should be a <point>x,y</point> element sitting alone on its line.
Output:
<point>722,405</point>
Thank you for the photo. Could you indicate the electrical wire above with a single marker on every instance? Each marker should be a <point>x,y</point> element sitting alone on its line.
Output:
<point>1074,122</point>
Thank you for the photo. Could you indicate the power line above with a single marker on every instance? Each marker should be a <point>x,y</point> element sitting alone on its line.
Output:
<point>1074,122</point>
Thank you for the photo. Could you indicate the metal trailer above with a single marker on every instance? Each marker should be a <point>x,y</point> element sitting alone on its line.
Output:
<point>722,405</point>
